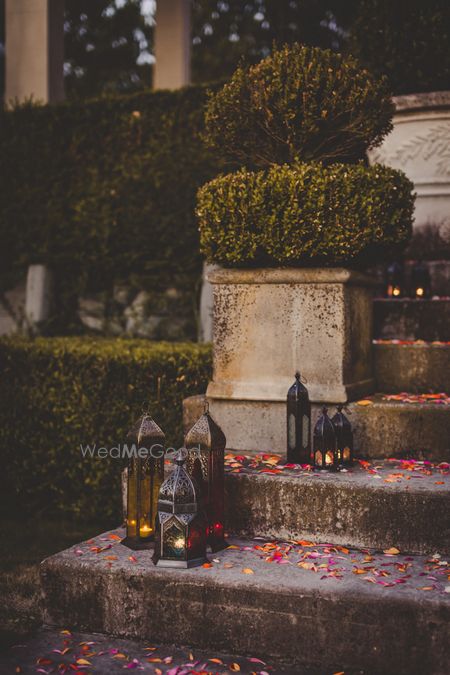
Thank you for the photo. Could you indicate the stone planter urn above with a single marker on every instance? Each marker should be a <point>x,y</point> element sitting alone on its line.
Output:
<point>419,145</point>
<point>268,323</point>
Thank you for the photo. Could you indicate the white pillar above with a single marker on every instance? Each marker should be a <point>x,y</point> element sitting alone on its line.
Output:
<point>172,44</point>
<point>34,50</point>
<point>38,299</point>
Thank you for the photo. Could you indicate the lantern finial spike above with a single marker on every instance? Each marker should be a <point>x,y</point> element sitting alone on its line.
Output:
<point>180,457</point>
<point>297,375</point>
<point>206,407</point>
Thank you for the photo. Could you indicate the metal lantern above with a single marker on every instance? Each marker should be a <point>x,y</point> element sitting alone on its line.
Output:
<point>181,526</point>
<point>344,437</point>
<point>298,423</point>
<point>420,281</point>
<point>145,475</point>
<point>394,280</point>
<point>205,444</point>
<point>325,452</point>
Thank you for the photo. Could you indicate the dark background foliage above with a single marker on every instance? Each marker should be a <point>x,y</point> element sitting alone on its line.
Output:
<point>104,192</point>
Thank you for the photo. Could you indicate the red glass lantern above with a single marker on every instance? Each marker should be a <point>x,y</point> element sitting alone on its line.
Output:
<point>325,452</point>
<point>205,443</point>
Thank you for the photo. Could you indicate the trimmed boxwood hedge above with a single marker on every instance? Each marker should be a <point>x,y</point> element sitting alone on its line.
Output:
<point>299,104</point>
<point>103,191</point>
<point>305,214</point>
<point>56,393</point>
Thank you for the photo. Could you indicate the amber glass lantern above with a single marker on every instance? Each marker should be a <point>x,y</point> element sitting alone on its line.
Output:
<point>394,281</point>
<point>420,281</point>
<point>344,437</point>
<point>205,444</point>
<point>324,444</point>
<point>181,526</point>
<point>145,475</point>
<point>298,423</point>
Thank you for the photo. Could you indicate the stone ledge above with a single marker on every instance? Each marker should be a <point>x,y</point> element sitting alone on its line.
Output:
<point>354,508</point>
<point>408,319</point>
<point>285,611</point>
<point>290,275</point>
<point>421,367</point>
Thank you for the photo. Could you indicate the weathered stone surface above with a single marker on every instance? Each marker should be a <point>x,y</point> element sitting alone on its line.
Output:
<point>102,655</point>
<point>38,300</point>
<point>396,429</point>
<point>12,309</point>
<point>413,368</point>
<point>418,145</point>
<point>381,429</point>
<point>412,319</point>
<point>353,508</point>
<point>193,408</point>
<point>284,611</point>
<point>268,323</point>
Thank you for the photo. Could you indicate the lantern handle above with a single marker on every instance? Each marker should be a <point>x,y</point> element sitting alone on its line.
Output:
<point>206,407</point>
<point>300,377</point>
<point>342,407</point>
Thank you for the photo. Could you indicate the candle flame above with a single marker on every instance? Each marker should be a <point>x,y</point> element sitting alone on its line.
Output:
<point>396,291</point>
<point>419,292</point>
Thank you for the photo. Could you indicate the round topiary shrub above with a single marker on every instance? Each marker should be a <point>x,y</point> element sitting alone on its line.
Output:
<point>299,104</point>
<point>305,214</point>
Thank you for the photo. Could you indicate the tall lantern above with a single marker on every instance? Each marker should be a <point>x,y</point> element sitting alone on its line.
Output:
<point>145,475</point>
<point>420,281</point>
<point>298,423</point>
<point>324,444</point>
<point>344,437</point>
<point>205,444</point>
<point>394,280</point>
<point>181,526</point>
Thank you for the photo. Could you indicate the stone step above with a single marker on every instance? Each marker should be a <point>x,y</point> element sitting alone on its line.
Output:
<point>407,319</point>
<point>415,367</point>
<point>313,605</point>
<point>382,427</point>
<point>372,506</point>
<point>401,428</point>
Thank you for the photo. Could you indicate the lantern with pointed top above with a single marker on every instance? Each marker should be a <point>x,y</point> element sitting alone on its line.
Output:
<point>205,444</point>
<point>344,437</point>
<point>420,281</point>
<point>181,526</point>
<point>394,280</point>
<point>324,444</point>
<point>145,475</point>
<point>298,423</point>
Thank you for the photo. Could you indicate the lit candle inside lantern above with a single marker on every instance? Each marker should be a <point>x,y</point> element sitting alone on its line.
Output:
<point>329,458</point>
<point>179,543</point>
<point>145,530</point>
<point>395,291</point>
<point>419,292</point>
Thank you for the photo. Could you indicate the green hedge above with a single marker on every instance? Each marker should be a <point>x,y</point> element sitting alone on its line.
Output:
<point>305,214</point>
<point>104,192</point>
<point>56,393</point>
<point>299,104</point>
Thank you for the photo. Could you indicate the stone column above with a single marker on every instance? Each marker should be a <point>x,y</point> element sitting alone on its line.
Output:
<point>34,50</point>
<point>172,44</point>
<point>38,300</point>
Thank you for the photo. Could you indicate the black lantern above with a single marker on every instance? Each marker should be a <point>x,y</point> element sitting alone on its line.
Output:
<point>394,280</point>
<point>181,526</point>
<point>344,437</point>
<point>298,423</point>
<point>145,475</point>
<point>324,444</point>
<point>420,281</point>
<point>205,444</point>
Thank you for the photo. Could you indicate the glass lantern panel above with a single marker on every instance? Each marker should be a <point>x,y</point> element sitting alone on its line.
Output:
<point>132,500</point>
<point>174,542</point>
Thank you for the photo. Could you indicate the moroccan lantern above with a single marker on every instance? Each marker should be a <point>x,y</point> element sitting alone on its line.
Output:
<point>205,444</point>
<point>145,475</point>
<point>325,452</point>
<point>394,280</point>
<point>344,437</point>
<point>181,525</point>
<point>420,281</point>
<point>298,423</point>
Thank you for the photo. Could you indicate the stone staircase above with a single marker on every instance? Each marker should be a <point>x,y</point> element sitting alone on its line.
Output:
<point>342,572</point>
